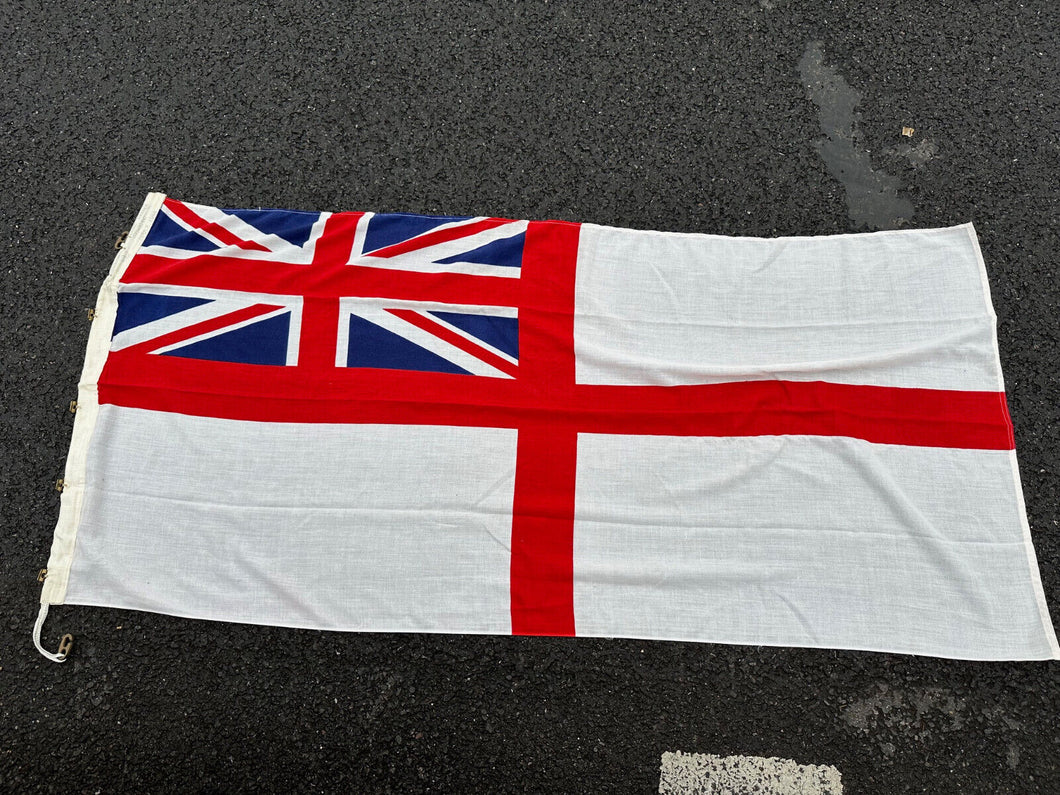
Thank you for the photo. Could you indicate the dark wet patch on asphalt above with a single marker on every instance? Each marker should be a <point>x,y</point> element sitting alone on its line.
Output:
<point>871,195</point>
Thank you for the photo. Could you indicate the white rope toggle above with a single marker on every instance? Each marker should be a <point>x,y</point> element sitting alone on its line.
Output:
<point>65,644</point>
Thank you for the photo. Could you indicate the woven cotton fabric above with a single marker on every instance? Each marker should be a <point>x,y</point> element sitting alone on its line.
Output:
<point>387,422</point>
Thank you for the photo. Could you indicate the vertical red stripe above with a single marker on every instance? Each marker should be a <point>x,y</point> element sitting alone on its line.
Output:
<point>320,330</point>
<point>335,244</point>
<point>542,573</point>
<point>320,313</point>
<point>542,567</point>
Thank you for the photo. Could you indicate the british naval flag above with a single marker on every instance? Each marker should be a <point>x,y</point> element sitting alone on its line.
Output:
<point>202,322</point>
<point>691,437</point>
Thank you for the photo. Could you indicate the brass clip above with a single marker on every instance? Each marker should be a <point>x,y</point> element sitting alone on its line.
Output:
<point>41,575</point>
<point>91,314</point>
<point>73,406</point>
<point>66,645</point>
<point>121,240</point>
<point>60,484</point>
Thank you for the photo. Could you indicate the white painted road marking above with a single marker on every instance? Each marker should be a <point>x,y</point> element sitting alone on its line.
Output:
<point>706,774</point>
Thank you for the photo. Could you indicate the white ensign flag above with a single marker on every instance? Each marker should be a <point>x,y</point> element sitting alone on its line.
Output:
<point>389,422</point>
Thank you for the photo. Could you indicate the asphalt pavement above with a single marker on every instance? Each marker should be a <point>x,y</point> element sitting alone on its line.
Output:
<point>755,118</point>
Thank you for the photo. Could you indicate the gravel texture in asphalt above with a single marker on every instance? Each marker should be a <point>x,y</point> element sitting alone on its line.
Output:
<point>753,118</point>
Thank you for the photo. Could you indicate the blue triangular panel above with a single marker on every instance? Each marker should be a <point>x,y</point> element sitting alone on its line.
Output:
<point>167,232</point>
<point>374,346</point>
<point>135,309</point>
<point>264,342</point>
<point>507,252</point>
<point>294,227</point>
<point>500,332</point>
<point>386,229</point>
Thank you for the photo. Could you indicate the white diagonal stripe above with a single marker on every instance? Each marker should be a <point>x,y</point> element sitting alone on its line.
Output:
<point>224,330</point>
<point>469,337</point>
<point>426,340</point>
<point>356,303</point>
<point>362,231</point>
<point>188,227</point>
<point>424,260</point>
<point>221,303</point>
<point>241,229</point>
<point>280,250</point>
<point>170,323</point>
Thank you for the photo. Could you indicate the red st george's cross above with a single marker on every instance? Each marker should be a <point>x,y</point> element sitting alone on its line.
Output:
<point>543,401</point>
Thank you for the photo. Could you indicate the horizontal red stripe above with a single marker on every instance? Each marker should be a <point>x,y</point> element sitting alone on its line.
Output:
<point>192,219</point>
<point>886,415</point>
<point>275,278</point>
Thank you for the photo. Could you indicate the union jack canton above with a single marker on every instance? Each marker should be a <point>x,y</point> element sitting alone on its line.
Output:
<point>198,318</point>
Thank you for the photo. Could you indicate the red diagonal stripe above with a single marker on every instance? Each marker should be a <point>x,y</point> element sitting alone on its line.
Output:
<point>454,339</point>
<point>205,327</point>
<point>433,238</point>
<point>192,219</point>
